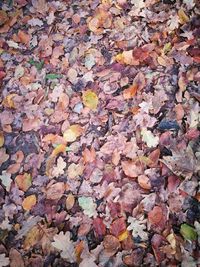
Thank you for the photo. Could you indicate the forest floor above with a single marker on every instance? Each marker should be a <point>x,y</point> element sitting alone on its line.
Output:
<point>99,133</point>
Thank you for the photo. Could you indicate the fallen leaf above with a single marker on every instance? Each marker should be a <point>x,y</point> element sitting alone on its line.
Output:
<point>16,259</point>
<point>19,72</point>
<point>138,84</point>
<point>89,155</point>
<point>70,200</point>
<point>4,261</point>
<point>131,168</point>
<point>59,168</point>
<point>32,237</point>
<point>90,99</point>
<point>71,134</point>
<point>8,101</point>
<point>75,170</point>
<point>111,244</point>
<point>31,124</point>
<point>138,228</point>
<point>188,232</point>
<point>88,206</point>
<point>183,18</point>
<point>144,182</point>
<point>1,139</point>
<point>55,191</point>
<point>155,216</point>
<point>99,227</point>
<point>23,181</point>
<point>6,180</point>
<point>3,17</point>
<point>29,202</point>
<point>118,227</point>
<point>149,138</point>
<point>63,243</point>
<point>23,37</point>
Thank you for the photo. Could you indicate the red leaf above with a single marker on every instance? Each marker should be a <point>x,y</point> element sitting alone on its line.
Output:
<point>99,227</point>
<point>118,226</point>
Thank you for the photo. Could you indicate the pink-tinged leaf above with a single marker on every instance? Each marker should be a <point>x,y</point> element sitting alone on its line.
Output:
<point>131,168</point>
<point>117,227</point>
<point>99,227</point>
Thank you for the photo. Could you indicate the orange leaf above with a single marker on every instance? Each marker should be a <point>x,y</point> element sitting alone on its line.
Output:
<point>139,83</point>
<point>23,37</point>
<point>89,155</point>
<point>59,149</point>
<point>1,139</point>
<point>123,236</point>
<point>144,182</point>
<point>130,92</point>
<point>29,202</point>
<point>70,202</point>
<point>23,181</point>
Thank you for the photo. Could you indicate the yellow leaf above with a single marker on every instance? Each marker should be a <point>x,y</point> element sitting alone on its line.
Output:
<point>59,149</point>
<point>8,101</point>
<point>90,99</point>
<point>123,236</point>
<point>32,237</point>
<point>72,133</point>
<point>183,17</point>
<point>29,202</point>
<point>1,139</point>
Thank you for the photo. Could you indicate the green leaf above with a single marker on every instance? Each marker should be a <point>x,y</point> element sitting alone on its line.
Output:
<point>188,232</point>
<point>52,76</point>
<point>38,64</point>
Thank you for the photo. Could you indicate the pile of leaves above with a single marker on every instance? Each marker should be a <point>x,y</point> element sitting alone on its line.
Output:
<point>99,133</point>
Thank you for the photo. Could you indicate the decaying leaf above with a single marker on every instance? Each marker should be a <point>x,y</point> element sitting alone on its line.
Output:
<point>4,261</point>
<point>138,228</point>
<point>6,180</point>
<point>88,206</point>
<point>149,138</point>
<point>63,243</point>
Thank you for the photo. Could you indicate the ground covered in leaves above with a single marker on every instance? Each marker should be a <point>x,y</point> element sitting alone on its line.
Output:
<point>99,137</point>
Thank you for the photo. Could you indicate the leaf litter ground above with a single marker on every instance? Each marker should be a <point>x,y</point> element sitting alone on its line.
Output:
<point>99,137</point>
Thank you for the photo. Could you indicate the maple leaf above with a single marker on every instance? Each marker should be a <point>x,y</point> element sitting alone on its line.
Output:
<point>63,243</point>
<point>138,227</point>
<point>4,261</point>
